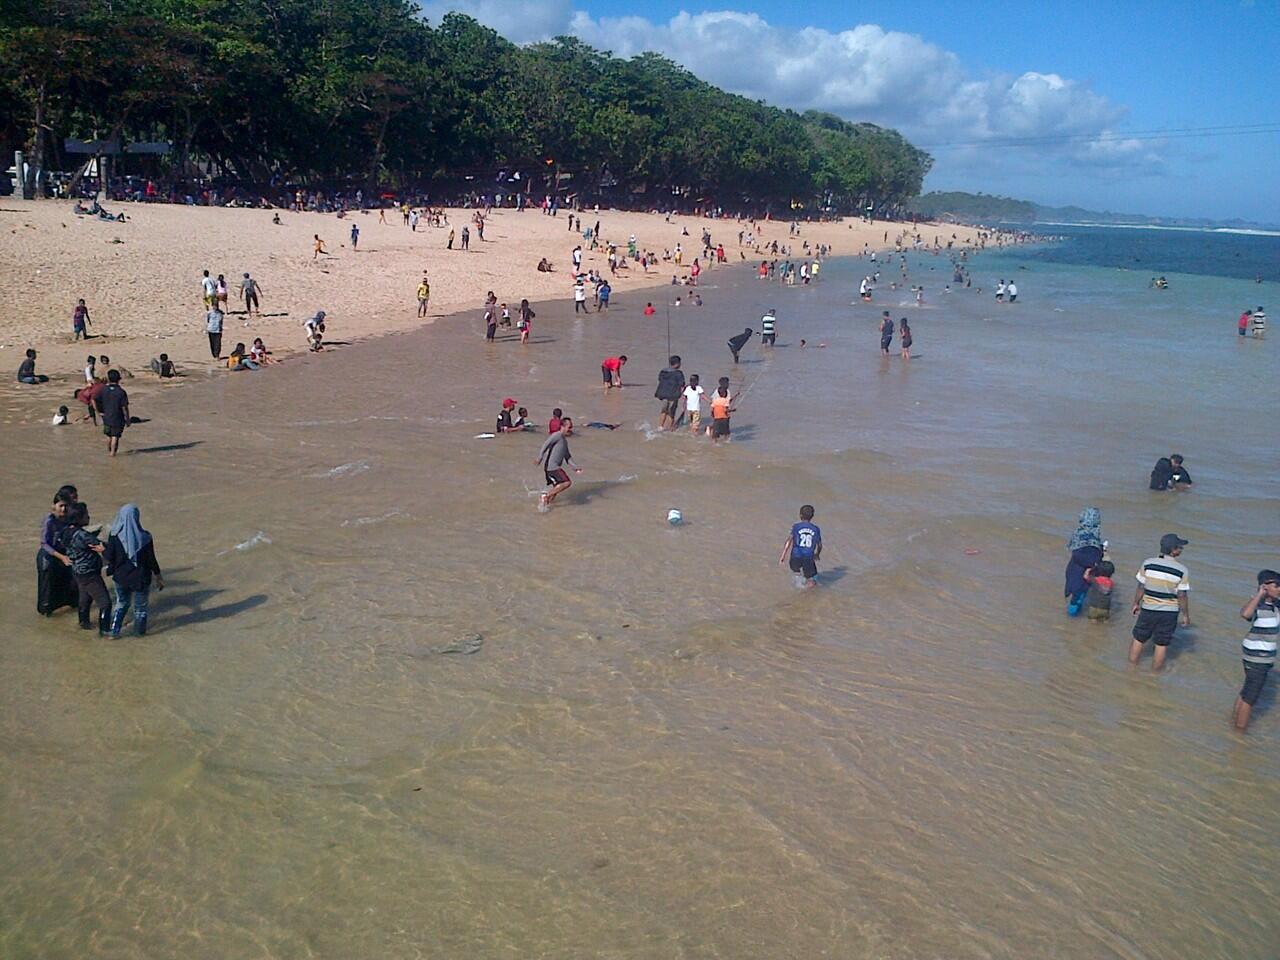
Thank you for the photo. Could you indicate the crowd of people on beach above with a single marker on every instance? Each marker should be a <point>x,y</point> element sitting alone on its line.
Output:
<point>73,557</point>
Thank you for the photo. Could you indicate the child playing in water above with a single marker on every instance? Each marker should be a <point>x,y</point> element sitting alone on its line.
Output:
<point>804,546</point>
<point>721,407</point>
<point>1098,598</point>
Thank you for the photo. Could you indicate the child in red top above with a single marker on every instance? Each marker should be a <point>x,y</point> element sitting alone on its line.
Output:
<point>1098,599</point>
<point>553,425</point>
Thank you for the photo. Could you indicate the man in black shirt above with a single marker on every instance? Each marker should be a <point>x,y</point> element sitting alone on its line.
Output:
<point>113,404</point>
<point>670,390</point>
<point>738,342</point>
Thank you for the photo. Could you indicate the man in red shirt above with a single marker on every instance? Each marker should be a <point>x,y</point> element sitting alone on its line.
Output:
<point>611,372</point>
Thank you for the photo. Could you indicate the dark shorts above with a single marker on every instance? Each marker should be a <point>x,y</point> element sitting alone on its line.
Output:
<point>768,338</point>
<point>556,476</point>
<point>1242,329</point>
<point>804,566</point>
<point>251,301</point>
<point>884,342</point>
<point>1255,675</point>
<point>1155,625</point>
<point>671,408</point>
<point>720,428</point>
<point>606,374</point>
<point>113,429</point>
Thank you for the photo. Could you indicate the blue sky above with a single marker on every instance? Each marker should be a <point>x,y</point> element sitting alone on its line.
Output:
<point>1092,91</point>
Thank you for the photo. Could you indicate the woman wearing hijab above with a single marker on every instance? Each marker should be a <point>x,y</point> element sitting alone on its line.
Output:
<point>131,562</point>
<point>1086,550</point>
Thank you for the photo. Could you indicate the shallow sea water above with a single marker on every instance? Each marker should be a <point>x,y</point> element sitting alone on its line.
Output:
<point>662,749</point>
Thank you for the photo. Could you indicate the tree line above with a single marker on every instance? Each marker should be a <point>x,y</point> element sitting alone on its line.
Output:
<point>365,92</point>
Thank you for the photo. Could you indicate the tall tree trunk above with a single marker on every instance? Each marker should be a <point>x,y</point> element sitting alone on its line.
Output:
<point>35,162</point>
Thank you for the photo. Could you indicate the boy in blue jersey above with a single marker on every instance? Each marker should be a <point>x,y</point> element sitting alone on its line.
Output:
<point>804,544</point>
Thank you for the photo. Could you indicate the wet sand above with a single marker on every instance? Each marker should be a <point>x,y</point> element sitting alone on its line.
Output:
<point>661,749</point>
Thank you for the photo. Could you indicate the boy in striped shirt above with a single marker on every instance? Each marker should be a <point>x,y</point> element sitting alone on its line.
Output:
<point>1161,600</point>
<point>1259,648</point>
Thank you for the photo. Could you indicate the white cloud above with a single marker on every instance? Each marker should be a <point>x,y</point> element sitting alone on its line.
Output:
<point>518,22</point>
<point>863,73</point>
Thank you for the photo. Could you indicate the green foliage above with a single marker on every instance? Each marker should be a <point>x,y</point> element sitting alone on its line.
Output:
<point>364,89</point>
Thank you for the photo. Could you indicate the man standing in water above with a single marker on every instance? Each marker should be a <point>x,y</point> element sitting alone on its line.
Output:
<point>1161,600</point>
<point>737,343</point>
<point>670,390</point>
<point>113,404</point>
<point>886,332</point>
<point>553,457</point>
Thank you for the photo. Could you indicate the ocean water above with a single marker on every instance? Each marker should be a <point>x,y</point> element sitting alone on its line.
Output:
<point>1152,252</point>
<point>661,748</point>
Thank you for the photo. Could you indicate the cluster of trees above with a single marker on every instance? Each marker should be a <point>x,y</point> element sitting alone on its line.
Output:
<point>364,91</point>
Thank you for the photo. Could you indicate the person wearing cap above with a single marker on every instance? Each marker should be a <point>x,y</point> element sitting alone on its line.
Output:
<point>505,423</point>
<point>1161,600</point>
<point>1258,651</point>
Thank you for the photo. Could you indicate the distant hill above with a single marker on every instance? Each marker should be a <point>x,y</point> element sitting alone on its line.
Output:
<point>987,208</point>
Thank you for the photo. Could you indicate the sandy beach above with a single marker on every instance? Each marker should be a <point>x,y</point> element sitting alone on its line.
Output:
<point>141,279</point>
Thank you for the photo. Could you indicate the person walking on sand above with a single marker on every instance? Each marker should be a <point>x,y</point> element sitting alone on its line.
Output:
<point>318,247</point>
<point>424,295</point>
<point>1161,601</point>
<point>213,327</point>
<point>553,457</point>
<point>209,289</point>
<point>80,320</point>
<point>113,404</point>
<point>355,237</point>
<point>466,238</point>
<point>249,290</point>
<point>130,557</point>
<point>449,243</point>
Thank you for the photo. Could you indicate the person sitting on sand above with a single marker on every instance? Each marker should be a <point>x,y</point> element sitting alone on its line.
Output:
<point>27,370</point>
<point>239,359</point>
<point>544,265</point>
<point>259,353</point>
<point>163,367</point>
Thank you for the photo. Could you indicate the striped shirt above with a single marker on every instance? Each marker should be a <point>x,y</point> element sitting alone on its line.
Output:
<point>1260,645</point>
<point>766,325</point>
<point>1162,579</point>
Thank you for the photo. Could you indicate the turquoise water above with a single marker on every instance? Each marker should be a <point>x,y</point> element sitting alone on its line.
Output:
<point>1156,252</point>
